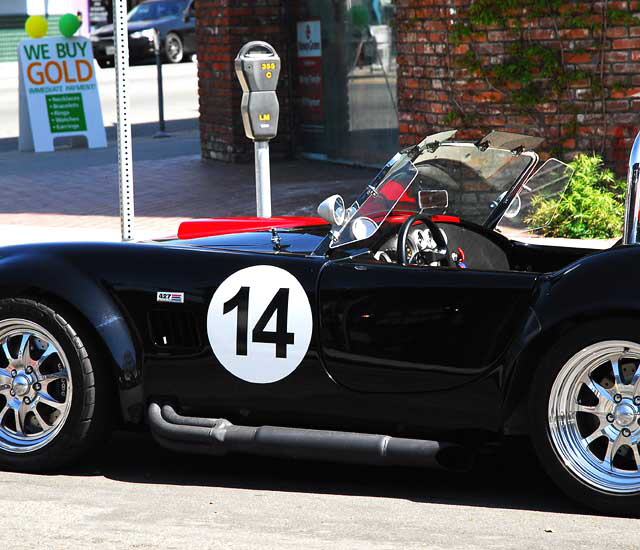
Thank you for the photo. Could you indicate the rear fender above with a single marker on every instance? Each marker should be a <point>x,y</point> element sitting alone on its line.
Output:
<point>23,275</point>
<point>600,286</point>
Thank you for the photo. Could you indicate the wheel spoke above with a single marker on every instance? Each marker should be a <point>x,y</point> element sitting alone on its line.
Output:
<point>59,375</point>
<point>43,423</point>
<point>7,353</point>
<point>591,438</point>
<point>45,355</point>
<point>5,376</point>
<point>594,410</point>
<point>636,455</point>
<point>598,390</point>
<point>3,412</point>
<point>48,400</point>
<point>19,414</point>
<point>617,380</point>
<point>635,381</point>
<point>24,353</point>
<point>612,450</point>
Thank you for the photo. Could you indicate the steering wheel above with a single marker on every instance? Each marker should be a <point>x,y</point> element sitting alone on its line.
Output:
<point>422,257</point>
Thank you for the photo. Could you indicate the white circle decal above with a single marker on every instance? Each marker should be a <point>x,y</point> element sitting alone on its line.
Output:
<point>259,324</point>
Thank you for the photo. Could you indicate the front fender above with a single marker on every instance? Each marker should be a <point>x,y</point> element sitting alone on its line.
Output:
<point>22,274</point>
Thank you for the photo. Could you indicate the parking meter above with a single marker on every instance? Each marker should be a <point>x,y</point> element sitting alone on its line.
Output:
<point>258,68</point>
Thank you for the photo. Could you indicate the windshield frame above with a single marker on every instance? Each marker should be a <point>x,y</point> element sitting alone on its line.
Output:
<point>411,154</point>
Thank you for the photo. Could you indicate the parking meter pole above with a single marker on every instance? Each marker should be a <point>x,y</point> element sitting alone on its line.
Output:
<point>125,165</point>
<point>257,67</point>
<point>162,131</point>
<point>263,179</point>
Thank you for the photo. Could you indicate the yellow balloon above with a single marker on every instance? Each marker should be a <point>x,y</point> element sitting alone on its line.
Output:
<point>36,26</point>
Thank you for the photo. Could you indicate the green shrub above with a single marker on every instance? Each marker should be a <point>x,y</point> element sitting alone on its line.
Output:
<point>591,208</point>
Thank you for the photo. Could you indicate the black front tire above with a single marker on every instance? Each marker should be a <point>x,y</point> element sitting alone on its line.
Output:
<point>560,461</point>
<point>87,423</point>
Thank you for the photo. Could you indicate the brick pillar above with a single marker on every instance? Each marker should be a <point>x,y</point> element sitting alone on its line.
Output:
<point>222,27</point>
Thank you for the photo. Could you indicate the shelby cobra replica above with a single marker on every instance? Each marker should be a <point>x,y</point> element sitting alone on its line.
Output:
<point>427,310</point>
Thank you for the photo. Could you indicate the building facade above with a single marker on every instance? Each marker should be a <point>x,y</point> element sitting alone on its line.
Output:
<point>338,87</point>
<point>362,78</point>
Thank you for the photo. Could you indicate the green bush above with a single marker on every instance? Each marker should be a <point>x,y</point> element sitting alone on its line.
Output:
<point>591,208</point>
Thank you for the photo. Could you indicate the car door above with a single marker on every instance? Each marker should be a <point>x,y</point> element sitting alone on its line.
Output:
<point>390,328</point>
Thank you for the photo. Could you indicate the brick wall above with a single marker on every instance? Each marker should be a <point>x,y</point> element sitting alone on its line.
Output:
<point>222,27</point>
<point>432,84</point>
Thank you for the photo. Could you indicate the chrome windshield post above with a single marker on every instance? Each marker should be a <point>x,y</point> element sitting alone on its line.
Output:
<point>633,197</point>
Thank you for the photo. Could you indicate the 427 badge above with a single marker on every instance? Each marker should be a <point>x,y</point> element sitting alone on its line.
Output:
<point>172,297</point>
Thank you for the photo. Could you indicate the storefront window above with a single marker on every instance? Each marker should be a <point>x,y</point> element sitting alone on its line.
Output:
<point>347,86</point>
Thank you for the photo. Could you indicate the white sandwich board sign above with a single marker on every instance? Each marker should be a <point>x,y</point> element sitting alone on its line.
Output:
<point>58,93</point>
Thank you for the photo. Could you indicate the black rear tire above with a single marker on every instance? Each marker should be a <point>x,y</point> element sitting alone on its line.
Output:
<point>87,423</point>
<point>554,460</point>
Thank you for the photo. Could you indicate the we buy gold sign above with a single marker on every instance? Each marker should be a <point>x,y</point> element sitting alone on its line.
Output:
<point>58,93</point>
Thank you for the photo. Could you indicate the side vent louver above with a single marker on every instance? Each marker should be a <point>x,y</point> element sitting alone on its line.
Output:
<point>173,329</point>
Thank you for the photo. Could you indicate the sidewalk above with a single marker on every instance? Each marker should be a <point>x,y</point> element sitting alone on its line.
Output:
<point>73,194</point>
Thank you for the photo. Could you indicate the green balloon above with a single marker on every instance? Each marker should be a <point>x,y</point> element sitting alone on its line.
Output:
<point>69,24</point>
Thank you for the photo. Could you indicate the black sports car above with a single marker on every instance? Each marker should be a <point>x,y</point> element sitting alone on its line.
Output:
<point>427,311</point>
<point>173,19</point>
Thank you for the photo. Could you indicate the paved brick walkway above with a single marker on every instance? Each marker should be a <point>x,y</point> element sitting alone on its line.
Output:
<point>73,194</point>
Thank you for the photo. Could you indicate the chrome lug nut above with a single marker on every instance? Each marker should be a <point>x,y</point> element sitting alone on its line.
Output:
<point>29,370</point>
<point>626,432</point>
<point>14,373</point>
<point>610,417</point>
<point>636,400</point>
<point>37,386</point>
<point>617,398</point>
<point>13,393</point>
<point>27,401</point>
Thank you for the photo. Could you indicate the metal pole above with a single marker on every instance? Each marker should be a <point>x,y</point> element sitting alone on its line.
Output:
<point>263,179</point>
<point>125,165</point>
<point>632,204</point>
<point>162,132</point>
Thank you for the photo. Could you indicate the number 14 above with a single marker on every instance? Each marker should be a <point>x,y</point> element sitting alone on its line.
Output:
<point>278,305</point>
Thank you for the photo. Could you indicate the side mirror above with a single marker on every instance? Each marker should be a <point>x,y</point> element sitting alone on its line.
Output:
<point>332,210</point>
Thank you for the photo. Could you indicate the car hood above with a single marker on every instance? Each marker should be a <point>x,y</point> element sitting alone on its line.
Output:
<point>301,241</point>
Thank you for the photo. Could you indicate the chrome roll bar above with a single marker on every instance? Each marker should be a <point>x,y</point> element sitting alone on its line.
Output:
<point>632,203</point>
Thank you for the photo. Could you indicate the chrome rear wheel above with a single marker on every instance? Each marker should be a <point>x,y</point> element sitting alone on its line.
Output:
<point>594,416</point>
<point>36,388</point>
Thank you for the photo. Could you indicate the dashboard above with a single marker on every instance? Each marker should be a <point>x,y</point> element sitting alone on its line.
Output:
<point>463,242</point>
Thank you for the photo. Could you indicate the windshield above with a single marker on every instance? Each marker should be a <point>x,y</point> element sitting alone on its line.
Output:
<point>474,179</point>
<point>536,204</point>
<point>155,10</point>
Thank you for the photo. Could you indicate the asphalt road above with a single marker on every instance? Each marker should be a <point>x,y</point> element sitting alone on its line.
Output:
<point>180,92</point>
<point>140,496</point>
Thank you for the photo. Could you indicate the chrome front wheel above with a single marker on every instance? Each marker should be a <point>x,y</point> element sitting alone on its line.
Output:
<point>54,387</point>
<point>594,415</point>
<point>35,386</point>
